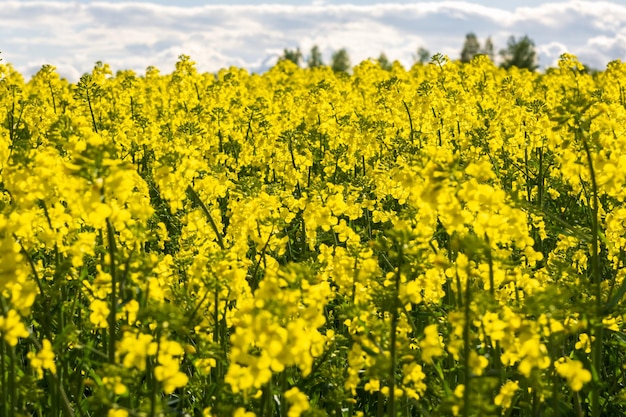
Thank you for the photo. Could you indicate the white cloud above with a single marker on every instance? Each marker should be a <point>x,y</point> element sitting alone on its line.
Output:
<point>72,36</point>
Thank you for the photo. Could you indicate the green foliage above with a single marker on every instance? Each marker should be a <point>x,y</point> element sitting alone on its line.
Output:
<point>293,55</point>
<point>384,62</point>
<point>315,58</point>
<point>422,56</point>
<point>447,240</point>
<point>471,48</point>
<point>520,53</point>
<point>488,49</point>
<point>340,61</point>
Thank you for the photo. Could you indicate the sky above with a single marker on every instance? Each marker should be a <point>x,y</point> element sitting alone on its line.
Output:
<point>73,34</point>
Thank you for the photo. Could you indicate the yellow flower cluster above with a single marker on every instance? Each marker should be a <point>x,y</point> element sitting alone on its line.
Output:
<point>448,239</point>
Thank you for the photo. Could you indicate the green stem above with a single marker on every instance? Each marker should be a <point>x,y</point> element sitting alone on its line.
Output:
<point>93,117</point>
<point>380,410</point>
<point>30,263</point>
<point>598,329</point>
<point>579,409</point>
<point>46,319</point>
<point>283,401</point>
<point>527,174</point>
<point>113,272</point>
<point>12,383</point>
<point>368,223</point>
<point>3,383</point>
<point>492,290</point>
<point>304,247</point>
<point>264,400</point>
<point>192,315</point>
<point>216,311</point>
<point>541,178</point>
<point>253,281</point>
<point>466,346</point>
<point>406,107</point>
<point>394,328</point>
<point>54,103</point>
<point>153,390</point>
<point>206,211</point>
<point>535,404</point>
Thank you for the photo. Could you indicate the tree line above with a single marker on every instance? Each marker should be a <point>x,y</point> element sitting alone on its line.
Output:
<point>519,52</point>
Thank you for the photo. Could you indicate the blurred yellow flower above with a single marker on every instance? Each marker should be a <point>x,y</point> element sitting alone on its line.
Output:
<point>505,396</point>
<point>299,402</point>
<point>99,313</point>
<point>44,359</point>
<point>117,412</point>
<point>573,372</point>
<point>12,328</point>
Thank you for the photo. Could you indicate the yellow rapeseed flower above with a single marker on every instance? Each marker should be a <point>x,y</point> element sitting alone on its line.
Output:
<point>241,412</point>
<point>99,313</point>
<point>117,412</point>
<point>299,402</point>
<point>584,342</point>
<point>506,394</point>
<point>44,359</point>
<point>431,345</point>
<point>115,385</point>
<point>12,328</point>
<point>573,372</point>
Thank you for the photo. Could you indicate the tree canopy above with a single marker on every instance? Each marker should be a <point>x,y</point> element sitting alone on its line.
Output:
<point>471,47</point>
<point>422,56</point>
<point>293,55</point>
<point>315,58</point>
<point>384,62</point>
<point>488,49</point>
<point>520,53</point>
<point>341,61</point>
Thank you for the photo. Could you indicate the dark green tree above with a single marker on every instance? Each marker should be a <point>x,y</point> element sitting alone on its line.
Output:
<point>315,58</point>
<point>341,61</point>
<point>293,55</point>
<point>384,62</point>
<point>488,49</point>
<point>423,55</point>
<point>520,53</point>
<point>471,47</point>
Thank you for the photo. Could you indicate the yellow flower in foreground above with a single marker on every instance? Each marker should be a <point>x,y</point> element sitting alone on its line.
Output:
<point>135,348</point>
<point>168,371</point>
<point>373,385</point>
<point>584,342</point>
<point>431,345</point>
<point>115,384</point>
<point>171,377</point>
<point>117,413</point>
<point>44,359</point>
<point>12,328</point>
<point>535,356</point>
<point>25,292</point>
<point>506,394</point>
<point>459,391</point>
<point>573,372</point>
<point>241,412</point>
<point>11,258</point>
<point>299,402</point>
<point>413,380</point>
<point>99,314</point>
<point>205,365</point>
<point>477,363</point>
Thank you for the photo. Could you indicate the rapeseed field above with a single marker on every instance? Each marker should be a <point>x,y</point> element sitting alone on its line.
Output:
<point>448,240</point>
